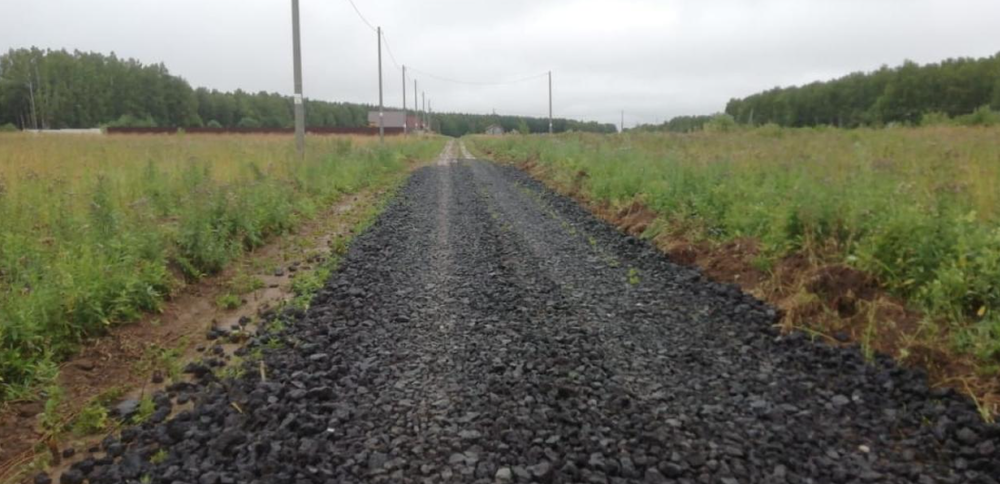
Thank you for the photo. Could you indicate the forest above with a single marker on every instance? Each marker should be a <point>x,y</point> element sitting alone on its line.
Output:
<point>57,89</point>
<point>906,94</point>
<point>677,124</point>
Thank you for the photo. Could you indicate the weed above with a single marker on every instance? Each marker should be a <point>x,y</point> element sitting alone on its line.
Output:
<point>51,418</point>
<point>228,301</point>
<point>871,328</point>
<point>145,410</point>
<point>274,343</point>
<point>159,457</point>
<point>633,276</point>
<point>276,326</point>
<point>109,396</point>
<point>91,420</point>
<point>762,263</point>
<point>256,354</point>
<point>167,360</point>
<point>235,369</point>
<point>245,283</point>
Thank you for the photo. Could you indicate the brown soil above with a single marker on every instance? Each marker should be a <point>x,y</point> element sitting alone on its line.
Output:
<point>813,292</point>
<point>112,362</point>
<point>635,218</point>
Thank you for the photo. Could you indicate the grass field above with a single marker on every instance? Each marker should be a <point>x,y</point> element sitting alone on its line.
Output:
<point>95,231</point>
<point>919,209</point>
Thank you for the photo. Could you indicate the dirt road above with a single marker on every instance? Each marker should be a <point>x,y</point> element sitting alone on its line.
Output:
<point>487,330</point>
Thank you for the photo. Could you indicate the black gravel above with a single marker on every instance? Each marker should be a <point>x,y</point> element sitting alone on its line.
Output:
<point>487,330</point>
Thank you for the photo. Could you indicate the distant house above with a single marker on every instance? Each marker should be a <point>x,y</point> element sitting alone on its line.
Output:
<point>413,123</point>
<point>495,129</point>
<point>396,119</point>
<point>390,119</point>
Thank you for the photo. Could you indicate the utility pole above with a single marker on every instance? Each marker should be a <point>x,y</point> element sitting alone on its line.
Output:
<point>416,104</point>
<point>34,113</point>
<point>623,121</point>
<point>41,100</point>
<point>381,110</point>
<point>300,114</point>
<point>423,112</point>
<point>550,102</point>
<point>404,101</point>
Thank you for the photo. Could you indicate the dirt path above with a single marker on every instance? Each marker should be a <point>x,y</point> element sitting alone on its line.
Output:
<point>488,330</point>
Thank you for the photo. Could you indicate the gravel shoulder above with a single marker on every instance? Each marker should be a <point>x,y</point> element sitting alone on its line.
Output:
<point>486,329</point>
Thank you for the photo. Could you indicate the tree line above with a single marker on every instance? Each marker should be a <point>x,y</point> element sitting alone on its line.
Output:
<point>57,89</point>
<point>677,124</point>
<point>905,94</point>
<point>457,124</point>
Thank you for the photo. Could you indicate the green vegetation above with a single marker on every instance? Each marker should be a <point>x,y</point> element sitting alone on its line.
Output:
<point>93,229</point>
<point>228,301</point>
<point>917,208</point>
<point>145,410</point>
<point>677,124</point>
<point>961,92</point>
<point>458,124</point>
<point>307,283</point>
<point>165,360</point>
<point>905,94</point>
<point>244,283</point>
<point>633,276</point>
<point>51,418</point>
<point>91,420</point>
<point>88,89</point>
<point>159,457</point>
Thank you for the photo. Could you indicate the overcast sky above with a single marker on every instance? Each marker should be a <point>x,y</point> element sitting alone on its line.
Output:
<point>653,58</point>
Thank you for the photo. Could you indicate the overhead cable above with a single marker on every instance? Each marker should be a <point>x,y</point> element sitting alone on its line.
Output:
<point>361,15</point>
<point>396,63</point>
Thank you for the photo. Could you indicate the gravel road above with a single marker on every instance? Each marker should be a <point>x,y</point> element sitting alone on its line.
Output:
<point>485,329</point>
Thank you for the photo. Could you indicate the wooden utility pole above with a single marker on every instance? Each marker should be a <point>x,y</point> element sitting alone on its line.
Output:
<point>300,113</point>
<point>381,109</point>
<point>404,101</point>
<point>31,97</point>
<point>550,102</point>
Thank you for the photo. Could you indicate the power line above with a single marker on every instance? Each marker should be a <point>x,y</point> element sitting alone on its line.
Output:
<point>389,50</point>
<point>479,83</point>
<point>396,63</point>
<point>362,16</point>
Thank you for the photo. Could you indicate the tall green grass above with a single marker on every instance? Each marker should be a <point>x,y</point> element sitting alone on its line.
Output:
<point>918,208</point>
<point>97,231</point>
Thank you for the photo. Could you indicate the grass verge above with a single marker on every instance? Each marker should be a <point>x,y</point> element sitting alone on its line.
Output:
<point>78,417</point>
<point>95,231</point>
